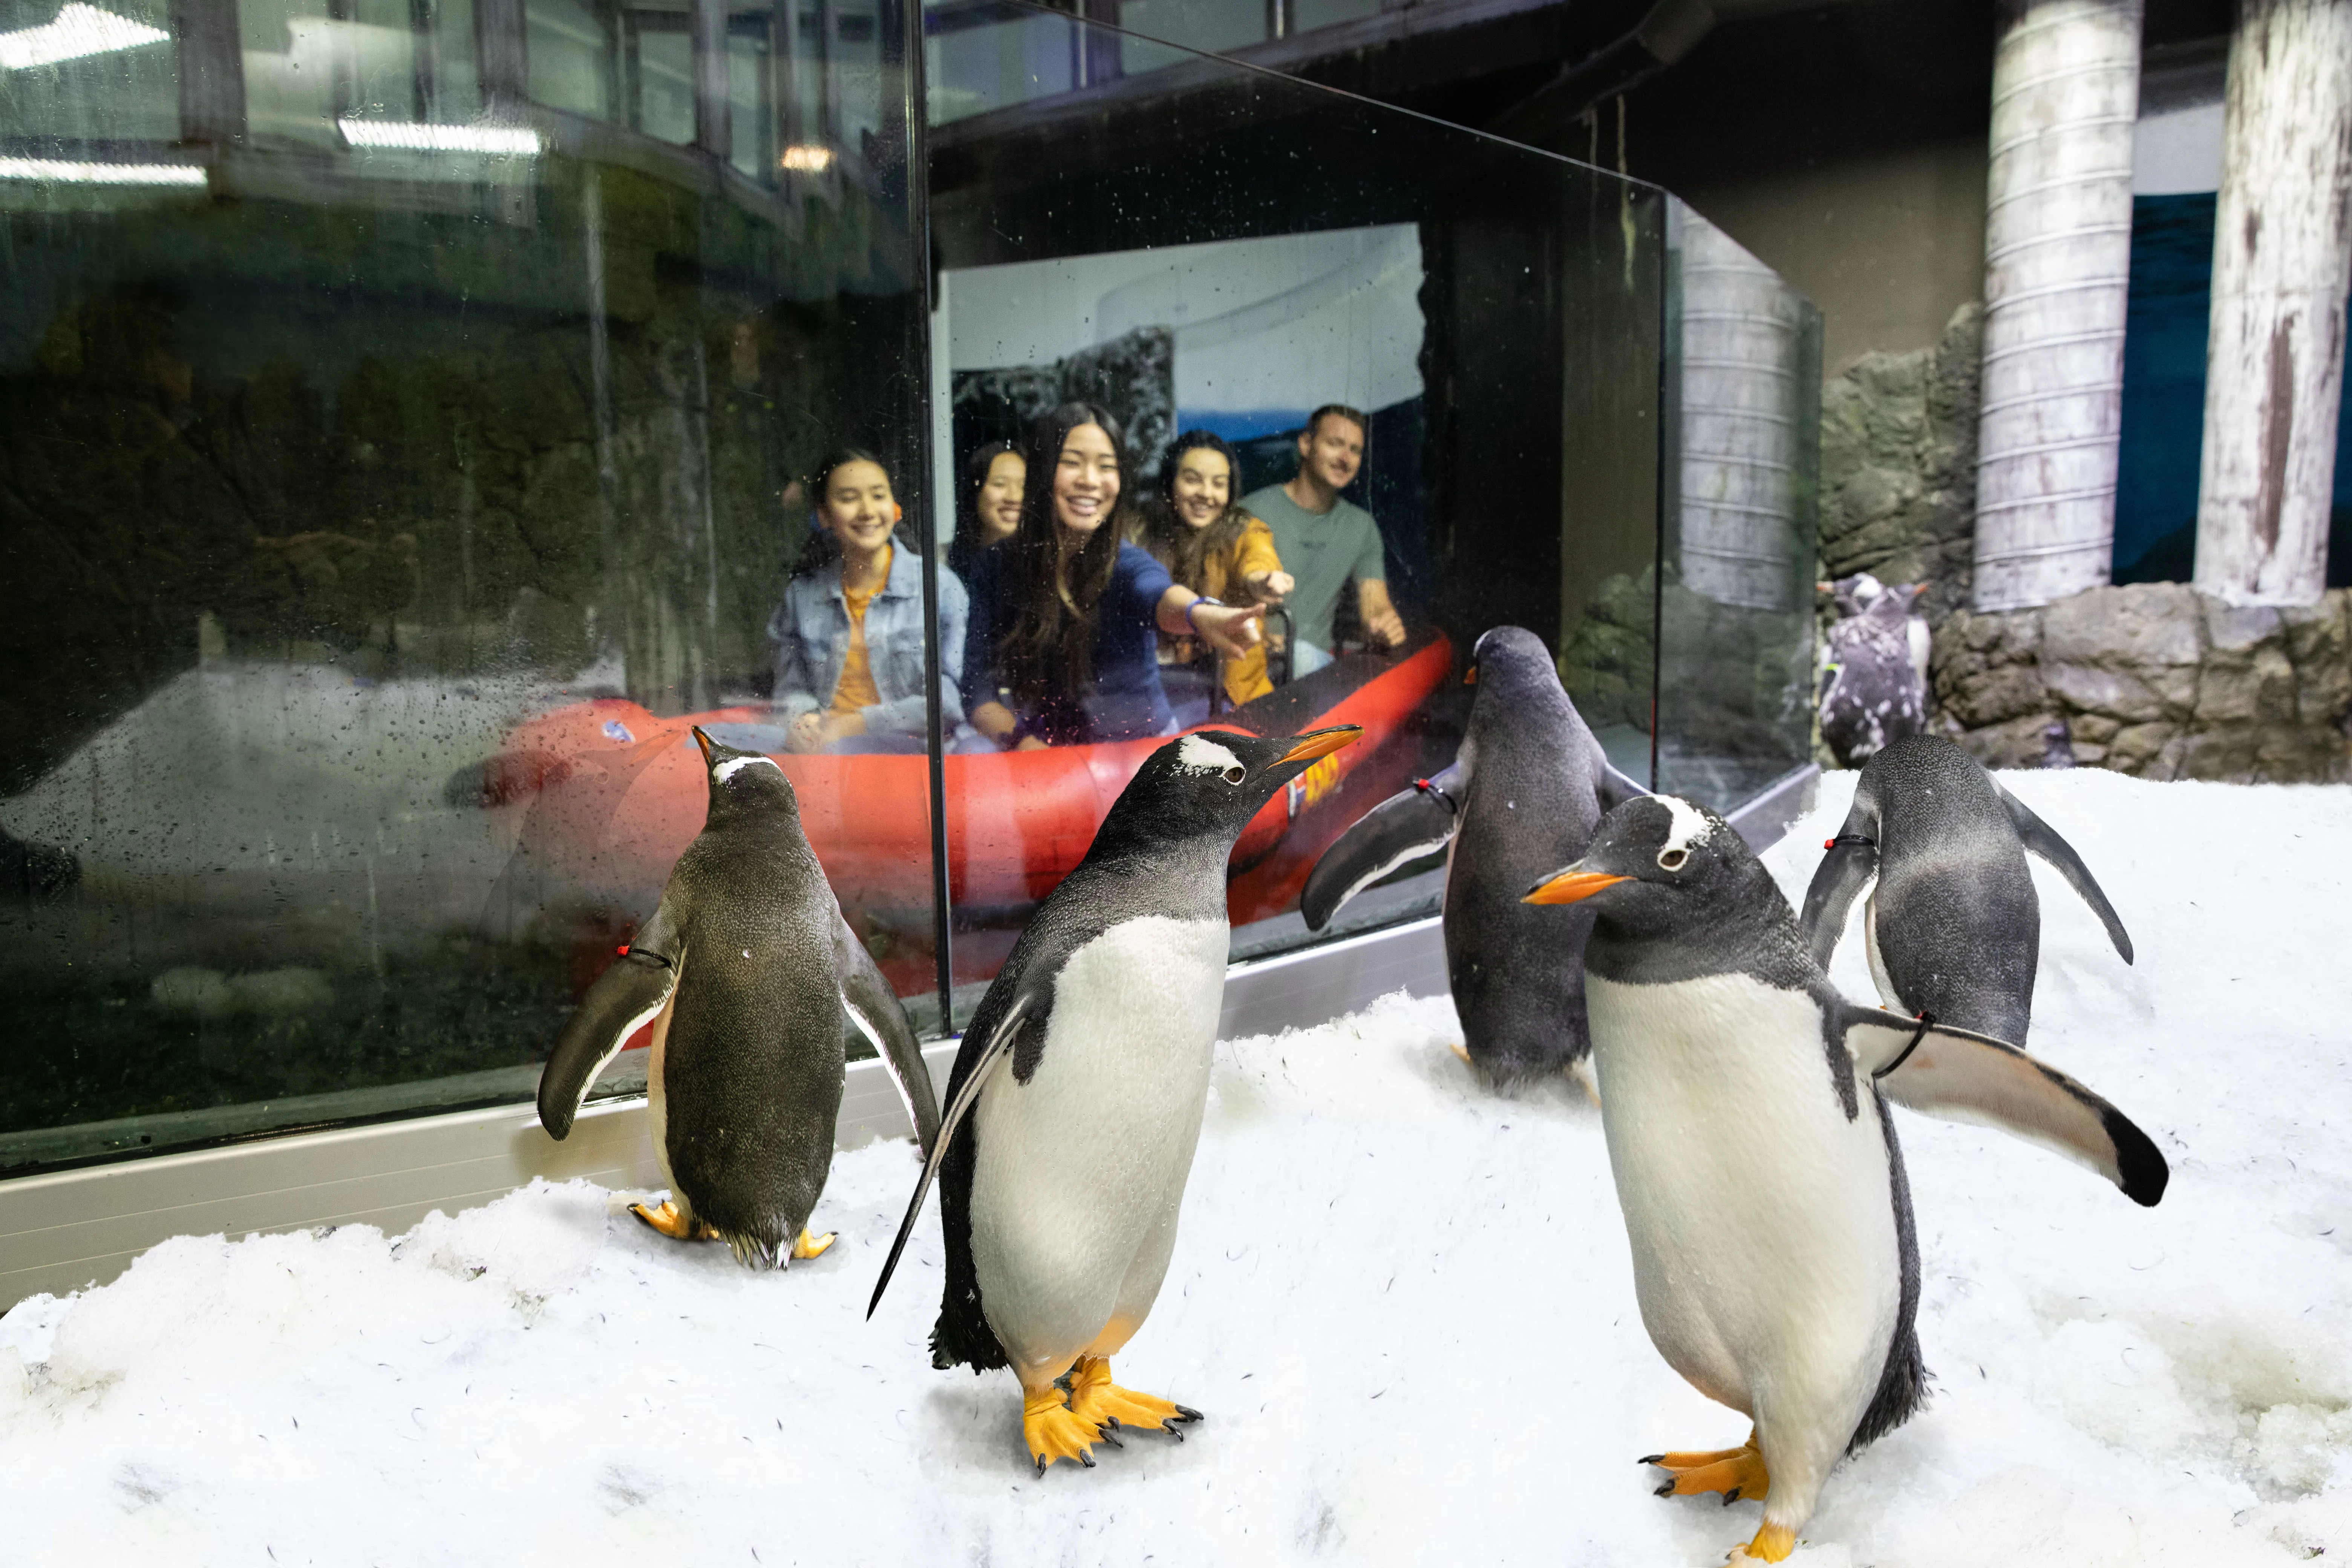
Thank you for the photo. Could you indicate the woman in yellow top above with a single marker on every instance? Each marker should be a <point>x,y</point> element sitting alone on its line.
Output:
<point>1212,546</point>
<point>848,637</point>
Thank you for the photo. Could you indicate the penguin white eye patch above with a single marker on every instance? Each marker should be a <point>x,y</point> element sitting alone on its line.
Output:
<point>1689,827</point>
<point>1199,754</point>
<point>726,771</point>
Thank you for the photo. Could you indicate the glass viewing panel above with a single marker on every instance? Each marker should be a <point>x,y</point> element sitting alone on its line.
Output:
<point>1742,424</point>
<point>1219,250</point>
<point>401,406</point>
<point>416,417</point>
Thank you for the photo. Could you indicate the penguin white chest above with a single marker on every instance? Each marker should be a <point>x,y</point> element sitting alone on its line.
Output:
<point>1761,1219</point>
<point>1082,1168</point>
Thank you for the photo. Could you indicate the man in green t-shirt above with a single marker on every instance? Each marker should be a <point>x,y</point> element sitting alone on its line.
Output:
<point>1324,541</point>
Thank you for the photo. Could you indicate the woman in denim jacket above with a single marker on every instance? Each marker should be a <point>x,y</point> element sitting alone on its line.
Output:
<point>848,638</point>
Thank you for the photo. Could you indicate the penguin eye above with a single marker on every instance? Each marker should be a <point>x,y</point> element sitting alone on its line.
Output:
<point>1672,860</point>
<point>1235,773</point>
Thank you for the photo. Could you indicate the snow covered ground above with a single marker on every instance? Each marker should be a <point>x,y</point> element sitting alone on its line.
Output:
<point>1405,1307</point>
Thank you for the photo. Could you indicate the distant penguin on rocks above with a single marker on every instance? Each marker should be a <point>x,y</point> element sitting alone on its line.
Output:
<point>745,972</point>
<point>1525,791</point>
<point>1076,1098</point>
<point>1744,1105</point>
<point>1953,924</point>
<point>1875,674</point>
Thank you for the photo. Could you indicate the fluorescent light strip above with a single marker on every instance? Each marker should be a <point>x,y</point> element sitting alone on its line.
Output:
<point>78,30</point>
<point>428,138</point>
<point>59,170</point>
<point>808,160</point>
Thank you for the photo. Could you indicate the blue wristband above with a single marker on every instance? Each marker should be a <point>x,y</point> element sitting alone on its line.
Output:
<point>1195,605</point>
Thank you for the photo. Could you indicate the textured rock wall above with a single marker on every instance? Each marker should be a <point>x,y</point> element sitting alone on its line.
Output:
<point>1898,466</point>
<point>2158,681</point>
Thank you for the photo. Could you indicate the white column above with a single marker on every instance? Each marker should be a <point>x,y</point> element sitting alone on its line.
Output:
<point>1738,438</point>
<point>2281,265</point>
<point>2065,90</point>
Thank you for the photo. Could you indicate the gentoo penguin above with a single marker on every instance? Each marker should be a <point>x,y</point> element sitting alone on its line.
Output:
<point>1953,926</point>
<point>1874,677</point>
<point>1525,791</point>
<point>1078,1091</point>
<point>1744,1104</point>
<point>745,972</point>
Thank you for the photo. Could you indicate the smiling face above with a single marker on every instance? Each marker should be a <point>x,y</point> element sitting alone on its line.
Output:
<point>999,497</point>
<point>857,508</point>
<point>1086,481</point>
<point>1205,486</point>
<point>1333,451</point>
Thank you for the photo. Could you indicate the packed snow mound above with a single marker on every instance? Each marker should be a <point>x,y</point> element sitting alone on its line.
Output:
<point>1404,1305</point>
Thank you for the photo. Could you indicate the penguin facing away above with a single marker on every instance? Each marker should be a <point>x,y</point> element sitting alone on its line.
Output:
<point>745,972</point>
<point>1523,795</point>
<point>1076,1098</point>
<point>1953,924</point>
<point>1744,1105</point>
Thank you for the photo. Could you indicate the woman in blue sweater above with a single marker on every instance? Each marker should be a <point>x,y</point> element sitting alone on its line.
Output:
<point>848,638</point>
<point>1061,648</point>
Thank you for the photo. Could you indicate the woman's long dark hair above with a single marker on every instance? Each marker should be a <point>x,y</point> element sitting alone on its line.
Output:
<point>1184,550</point>
<point>970,538</point>
<point>1048,650</point>
<point>821,549</point>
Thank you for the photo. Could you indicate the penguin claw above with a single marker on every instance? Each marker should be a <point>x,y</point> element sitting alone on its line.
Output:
<point>1651,1460</point>
<point>1736,1473</point>
<point>1100,1403</point>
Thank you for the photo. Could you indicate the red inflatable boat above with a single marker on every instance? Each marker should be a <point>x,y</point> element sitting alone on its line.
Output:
<point>616,794</point>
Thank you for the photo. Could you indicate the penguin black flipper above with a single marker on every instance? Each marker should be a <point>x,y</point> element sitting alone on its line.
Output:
<point>2039,838</point>
<point>624,999</point>
<point>876,1010</point>
<point>1958,1076</point>
<point>1845,871</point>
<point>979,1053</point>
<point>1407,825</point>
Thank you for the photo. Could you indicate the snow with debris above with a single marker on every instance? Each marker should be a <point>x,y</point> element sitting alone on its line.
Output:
<point>1405,1306</point>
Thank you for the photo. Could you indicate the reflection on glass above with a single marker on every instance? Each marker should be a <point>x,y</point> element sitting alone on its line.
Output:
<point>1736,666</point>
<point>1430,295</point>
<point>422,479</point>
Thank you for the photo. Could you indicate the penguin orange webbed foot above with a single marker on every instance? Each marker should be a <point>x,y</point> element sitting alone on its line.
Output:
<point>1095,1398</point>
<point>1464,1052</point>
<point>1054,1431</point>
<point>1773,1544</point>
<point>1735,1472</point>
<point>812,1246</point>
<point>667,1220</point>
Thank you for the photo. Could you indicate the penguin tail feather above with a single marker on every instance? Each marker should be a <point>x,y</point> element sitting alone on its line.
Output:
<point>1902,1393</point>
<point>754,1251</point>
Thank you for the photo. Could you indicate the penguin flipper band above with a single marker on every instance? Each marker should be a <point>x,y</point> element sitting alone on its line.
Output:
<point>624,999</point>
<point>1850,862</point>
<point>1410,823</point>
<point>1959,1076</point>
<point>966,1096</point>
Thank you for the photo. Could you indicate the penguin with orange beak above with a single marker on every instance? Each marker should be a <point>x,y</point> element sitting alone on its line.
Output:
<point>1744,1104</point>
<point>1076,1098</point>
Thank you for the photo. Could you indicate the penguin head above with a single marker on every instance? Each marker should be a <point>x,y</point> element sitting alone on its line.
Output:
<point>1660,865</point>
<point>1205,787</point>
<point>743,782</point>
<point>1509,659</point>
